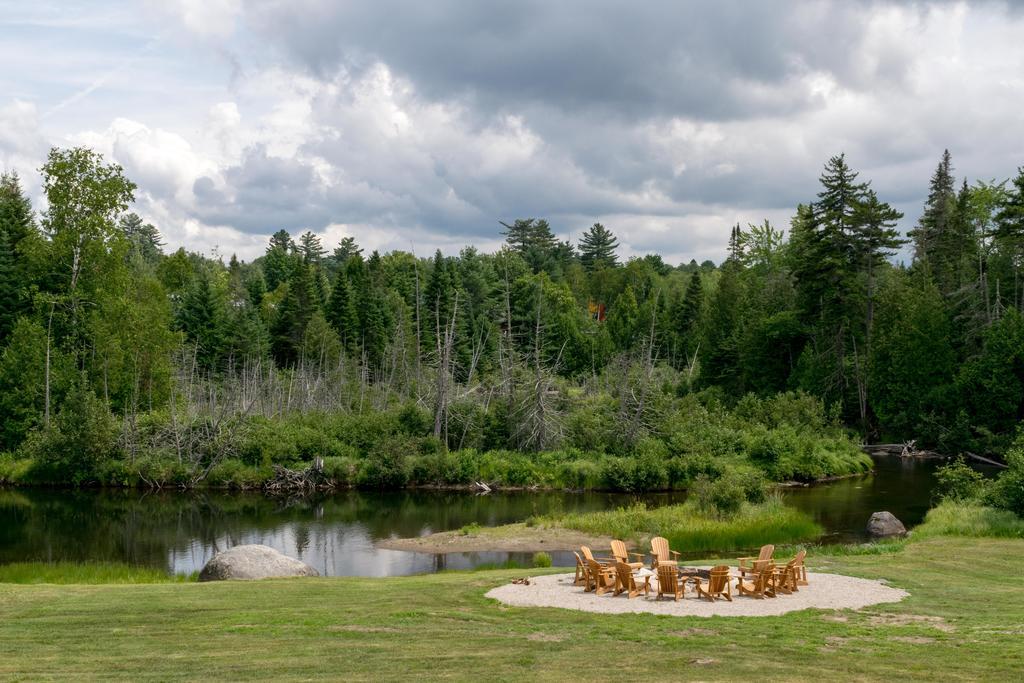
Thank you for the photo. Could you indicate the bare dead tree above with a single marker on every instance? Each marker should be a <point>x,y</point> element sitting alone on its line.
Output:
<point>445,343</point>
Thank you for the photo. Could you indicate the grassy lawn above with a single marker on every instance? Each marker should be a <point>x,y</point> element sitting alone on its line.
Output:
<point>963,621</point>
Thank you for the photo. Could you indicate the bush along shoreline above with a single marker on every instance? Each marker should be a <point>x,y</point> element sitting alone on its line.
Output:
<point>787,438</point>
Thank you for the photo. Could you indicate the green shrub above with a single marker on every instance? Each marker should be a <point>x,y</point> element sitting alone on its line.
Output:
<point>415,421</point>
<point>541,560</point>
<point>82,438</point>
<point>386,466</point>
<point>580,474</point>
<point>13,470</point>
<point>722,496</point>
<point>234,474</point>
<point>1007,492</point>
<point>341,470</point>
<point>957,481</point>
<point>646,473</point>
<point>683,470</point>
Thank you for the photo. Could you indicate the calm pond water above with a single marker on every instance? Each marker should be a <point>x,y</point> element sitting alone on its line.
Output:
<point>335,533</point>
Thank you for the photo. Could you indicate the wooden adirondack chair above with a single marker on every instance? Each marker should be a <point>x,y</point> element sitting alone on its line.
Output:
<point>787,578</point>
<point>718,585</point>
<point>581,578</point>
<point>627,582</point>
<point>670,583</point>
<point>587,556</point>
<point>662,554</point>
<point>602,578</point>
<point>620,555</point>
<point>761,583</point>
<point>799,570</point>
<point>751,565</point>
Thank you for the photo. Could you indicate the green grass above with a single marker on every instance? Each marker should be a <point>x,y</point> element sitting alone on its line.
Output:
<point>686,526</point>
<point>963,621</point>
<point>970,519</point>
<point>86,573</point>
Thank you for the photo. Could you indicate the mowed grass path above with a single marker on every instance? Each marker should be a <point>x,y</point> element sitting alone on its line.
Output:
<point>963,621</point>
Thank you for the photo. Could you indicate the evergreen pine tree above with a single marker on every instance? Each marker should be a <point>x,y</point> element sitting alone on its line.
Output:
<point>624,319</point>
<point>278,262</point>
<point>310,248</point>
<point>939,245</point>
<point>202,317</point>
<point>342,313</point>
<point>597,248</point>
<point>938,214</point>
<point>16,225</point>
<point>144,238</point>
<point>298,306</point>
<point>687,316</point>
<point>10,290</point>
<point>439,297</point>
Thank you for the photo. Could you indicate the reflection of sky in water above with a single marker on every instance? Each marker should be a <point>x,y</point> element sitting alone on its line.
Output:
<point>343,550</point>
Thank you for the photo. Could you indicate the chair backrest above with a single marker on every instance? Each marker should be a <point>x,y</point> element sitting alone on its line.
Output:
<point>797,560</point>
<point>763,574</point>
<point>586,553</point>
<point>659,548</point>
<point>596,573</point>
<point>625,575</point>
<point>619,551</point>
<point>668,577</point>
<point>579,560</point>
<point>719,578</point>
<point>766,553</point>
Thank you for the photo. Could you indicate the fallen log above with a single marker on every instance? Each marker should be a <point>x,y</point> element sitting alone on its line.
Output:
<point>985,460</point>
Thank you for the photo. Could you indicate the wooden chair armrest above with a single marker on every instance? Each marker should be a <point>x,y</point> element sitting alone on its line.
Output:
<point>674,552</point>
<point>640,555</point>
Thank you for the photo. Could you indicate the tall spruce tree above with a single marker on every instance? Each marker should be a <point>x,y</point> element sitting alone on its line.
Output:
<point>597,248</point>
<point>936,243</point>
<point>203,316</point>
<point>686,318</point>
<point>342,313</point>
<point>278,262</point>
<point>298,306</point>
<point>535,242</point>
<point>1009,236</point>
<point>16,226</point>
<point>10,289</point>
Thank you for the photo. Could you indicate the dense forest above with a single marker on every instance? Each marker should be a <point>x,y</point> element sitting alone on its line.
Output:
<point>545,363</point>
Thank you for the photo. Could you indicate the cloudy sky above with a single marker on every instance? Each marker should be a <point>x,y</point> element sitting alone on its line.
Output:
<point>422,124</point>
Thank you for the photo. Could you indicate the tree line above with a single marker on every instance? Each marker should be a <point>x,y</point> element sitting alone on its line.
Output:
<point>96,316</point>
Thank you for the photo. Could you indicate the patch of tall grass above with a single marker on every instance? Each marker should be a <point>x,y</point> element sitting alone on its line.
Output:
<point>691,530</point>
<point>969,519</point>
<point>84,573</point>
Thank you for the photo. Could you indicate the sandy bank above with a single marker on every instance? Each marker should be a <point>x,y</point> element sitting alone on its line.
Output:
<point>507,538</point>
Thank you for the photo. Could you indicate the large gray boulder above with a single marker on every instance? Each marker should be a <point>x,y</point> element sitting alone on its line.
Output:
<point>253,562</point>
<point>884,525</point>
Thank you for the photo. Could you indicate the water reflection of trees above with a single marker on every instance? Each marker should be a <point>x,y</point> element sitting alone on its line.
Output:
<point>146,527</point>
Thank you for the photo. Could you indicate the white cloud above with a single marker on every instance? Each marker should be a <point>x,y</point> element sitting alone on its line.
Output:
<point>434,125</point>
